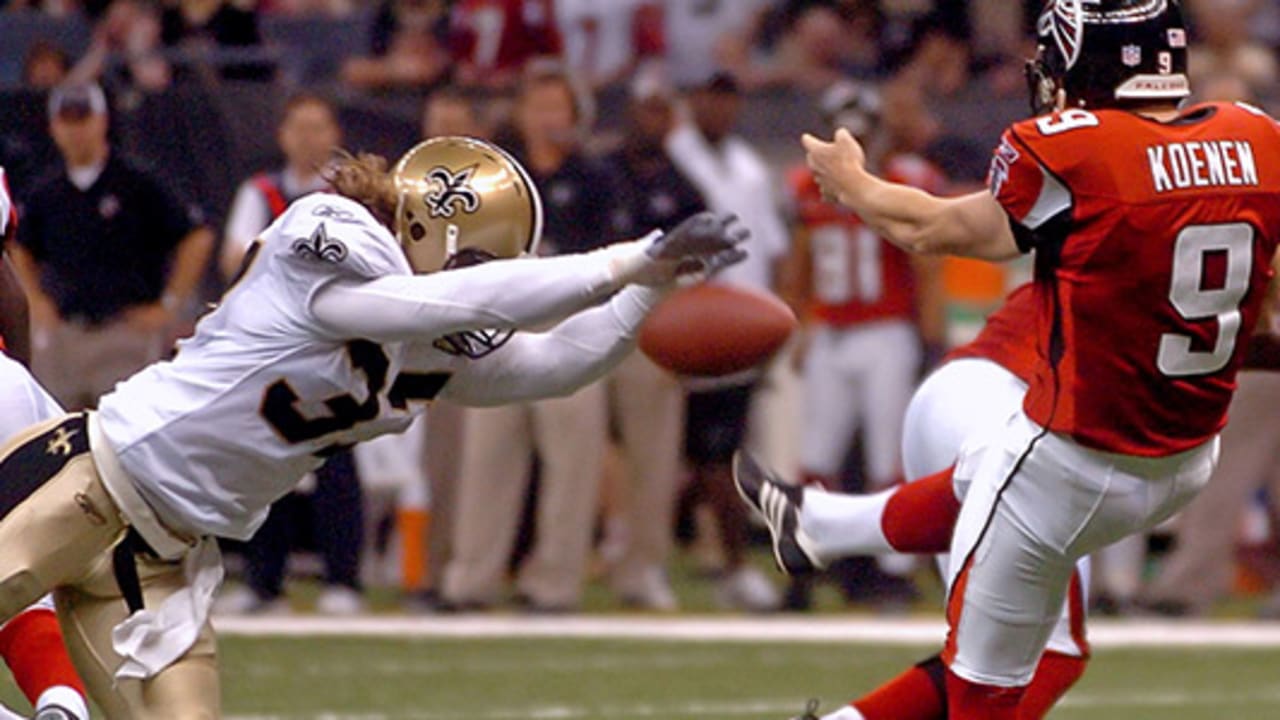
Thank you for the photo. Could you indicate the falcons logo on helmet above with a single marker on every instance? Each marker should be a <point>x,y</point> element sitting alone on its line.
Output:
<point>1063,20</point>
<point>450,192</point>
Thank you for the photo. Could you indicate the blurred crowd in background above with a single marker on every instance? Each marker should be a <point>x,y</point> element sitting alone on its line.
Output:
<point>149,143</point>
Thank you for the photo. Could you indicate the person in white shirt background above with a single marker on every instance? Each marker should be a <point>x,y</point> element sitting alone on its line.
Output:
<point>732,178</point>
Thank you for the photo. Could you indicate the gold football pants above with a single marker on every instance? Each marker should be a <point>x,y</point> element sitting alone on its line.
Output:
<point>58,526</point>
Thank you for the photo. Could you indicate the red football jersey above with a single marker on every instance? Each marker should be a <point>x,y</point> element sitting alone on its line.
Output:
<point>857,276</point>
<point>499,35</point>
<point>1008,338</point>
<point>1154,245</point>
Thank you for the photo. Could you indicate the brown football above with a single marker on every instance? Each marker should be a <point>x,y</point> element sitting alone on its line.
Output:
<point>709,330</point>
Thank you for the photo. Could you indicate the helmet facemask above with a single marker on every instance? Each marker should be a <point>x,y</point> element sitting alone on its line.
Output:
<point>473,344</point>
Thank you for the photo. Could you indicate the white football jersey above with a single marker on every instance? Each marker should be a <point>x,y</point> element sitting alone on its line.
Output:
<point>260,394</point>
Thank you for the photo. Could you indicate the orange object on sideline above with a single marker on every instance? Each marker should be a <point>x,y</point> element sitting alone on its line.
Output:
<point>413,524</point>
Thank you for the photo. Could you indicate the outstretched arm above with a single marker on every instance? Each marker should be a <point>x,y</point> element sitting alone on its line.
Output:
<point>577,352</point>
<point>498,295</point>
<point>512,294</point>
<point>971,225</point>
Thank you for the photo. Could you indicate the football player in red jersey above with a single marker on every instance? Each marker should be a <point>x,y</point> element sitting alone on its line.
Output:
<point>1155,230</point>
<point>971,395</point>
<point>31,642</point>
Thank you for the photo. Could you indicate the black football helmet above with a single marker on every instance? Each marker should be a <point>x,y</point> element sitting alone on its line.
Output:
<point>1109,53</point>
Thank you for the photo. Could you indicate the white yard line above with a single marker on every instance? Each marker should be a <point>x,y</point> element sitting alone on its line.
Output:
<point>755,708</point>
<point>888,631</point>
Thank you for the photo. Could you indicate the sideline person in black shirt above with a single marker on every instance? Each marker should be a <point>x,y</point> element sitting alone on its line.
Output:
<point>646,402</point>
<point>108,254</point>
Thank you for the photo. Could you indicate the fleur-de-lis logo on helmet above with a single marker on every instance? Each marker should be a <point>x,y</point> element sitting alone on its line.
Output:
<point>450,192</point>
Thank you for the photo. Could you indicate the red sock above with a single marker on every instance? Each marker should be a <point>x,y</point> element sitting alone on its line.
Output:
<point>921,515</point>
<point>1055,674</point>
<point>916,694</point>
<point>31,644</point>
<point>973,701</point>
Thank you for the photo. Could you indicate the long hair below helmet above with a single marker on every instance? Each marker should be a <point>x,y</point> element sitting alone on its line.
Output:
<point>364,178</point>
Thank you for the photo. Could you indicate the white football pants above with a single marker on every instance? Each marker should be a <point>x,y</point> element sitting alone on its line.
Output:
<point>1036,503</point>
<point>966,398</point>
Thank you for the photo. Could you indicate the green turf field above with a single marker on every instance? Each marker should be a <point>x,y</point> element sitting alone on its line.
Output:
<point>433,679</point>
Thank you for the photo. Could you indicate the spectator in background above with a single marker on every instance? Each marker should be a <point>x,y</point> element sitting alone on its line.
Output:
<point>703,36</point>
<point>568,434</point>
<point>449,112</point>
<point>732,177</point>
<point>408,47</point>
<point>1224,47</point>
<point>647,403</point>
<point>493,40</point>
<point>45,66</point>
<point>202,27</point>
<point>604,42</point>
<point>126,52</point>
<point>308,134</point>
<point>820,43</point>
<point>109,254</point>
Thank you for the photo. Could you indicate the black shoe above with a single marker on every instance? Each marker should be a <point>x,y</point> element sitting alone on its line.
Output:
<point>779,505</point>
<point>864,581</point>
<point>810,711</point>
<point>798,597</point>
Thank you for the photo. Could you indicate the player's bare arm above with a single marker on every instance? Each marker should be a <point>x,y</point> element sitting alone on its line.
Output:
<point>971,225</point>
<point>14,325</point>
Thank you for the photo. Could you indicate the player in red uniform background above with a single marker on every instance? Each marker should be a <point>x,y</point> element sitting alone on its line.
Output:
<point>864,297</point>
<point>493,39</point>
<point>868,305</point>
<point>1155,230</point>
<point>31,642</point>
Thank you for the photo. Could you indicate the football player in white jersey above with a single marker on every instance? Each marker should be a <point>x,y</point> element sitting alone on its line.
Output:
<point>338,329</point>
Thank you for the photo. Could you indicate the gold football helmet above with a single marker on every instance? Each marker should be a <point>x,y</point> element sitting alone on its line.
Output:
<point>464,201</point>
